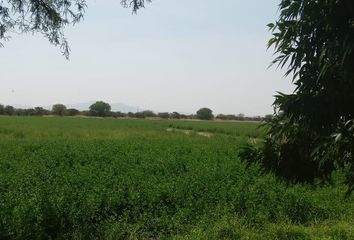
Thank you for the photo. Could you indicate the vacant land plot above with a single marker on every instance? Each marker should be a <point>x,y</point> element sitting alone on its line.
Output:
<point>74,178</point>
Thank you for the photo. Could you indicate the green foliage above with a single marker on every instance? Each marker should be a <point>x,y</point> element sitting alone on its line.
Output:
<point>175,115</point>
<point>205,114</point>
<point>239,129</point>
<point>39,111</point>
<point>100,109</point>
<point>314,40</point>
<point>287,153</point>
<point>149,113</point>
<point>72,112</point>
<point>163,115</point>
<point>145,114</point>
<point>292,233</point>
<point>74,178</point>
<point>118,114</point>
<point>59,109</point>
<point>240,117</point>
<point>9,110</point>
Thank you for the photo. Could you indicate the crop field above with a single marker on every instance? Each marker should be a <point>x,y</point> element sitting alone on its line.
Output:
<point>86,178</point>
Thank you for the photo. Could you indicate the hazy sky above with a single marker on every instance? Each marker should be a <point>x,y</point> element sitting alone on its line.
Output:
<point>174,55</point>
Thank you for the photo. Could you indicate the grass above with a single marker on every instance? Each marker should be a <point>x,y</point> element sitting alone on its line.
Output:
<point>72,178</point>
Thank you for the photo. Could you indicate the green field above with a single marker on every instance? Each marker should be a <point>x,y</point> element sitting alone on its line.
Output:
<point>84,178</point>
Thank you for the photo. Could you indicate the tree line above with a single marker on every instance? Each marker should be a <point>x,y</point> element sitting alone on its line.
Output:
<point>103,109</point>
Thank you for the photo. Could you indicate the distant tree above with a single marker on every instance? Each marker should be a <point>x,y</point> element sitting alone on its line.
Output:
<point>9,110</point>
<point>28,112</point>
<point>268,117</point>
<point>241,117</point>
<point>205,114</point>
<point>48,18</point>
<point>19,112</point>
<point>175,115</point>
<point>139,115</point>
<point>85,113</point>
<point>59,109</point>
<point>145,114</point>
<point>221,117</point>
<point>118,114</point>
<point>257,118</point>
<point>39,111</point>
<point>100,109</point>
<point>185,116</point>
<point>232,117</point>
<point>148,113</point>
<point>2,109</point>
<point>72,112</point>
<point>190,116</point>
<point>226,117</point>
<point>164,115</point>
<point>131,114</point>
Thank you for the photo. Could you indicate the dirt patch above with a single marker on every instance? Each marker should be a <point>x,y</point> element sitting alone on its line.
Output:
<point>188,132</point>
<point>205,134</point>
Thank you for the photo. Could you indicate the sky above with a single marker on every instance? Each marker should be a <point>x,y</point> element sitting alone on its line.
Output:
<point>174,55</point>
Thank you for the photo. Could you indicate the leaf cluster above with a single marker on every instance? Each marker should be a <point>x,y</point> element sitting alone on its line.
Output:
<point>314,42</point>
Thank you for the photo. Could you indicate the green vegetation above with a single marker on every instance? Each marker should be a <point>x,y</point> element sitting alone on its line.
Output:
<point>100,109</point>
<point>311,134</point>
<point>205,114</point>
<point>58,109</point>
<point>79,178</point>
